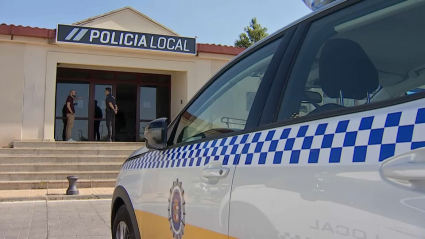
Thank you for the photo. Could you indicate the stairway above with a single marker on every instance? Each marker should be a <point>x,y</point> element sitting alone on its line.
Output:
<point>41,165</point>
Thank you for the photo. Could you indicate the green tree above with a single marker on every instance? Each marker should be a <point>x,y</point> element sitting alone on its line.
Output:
<point>253,33</point>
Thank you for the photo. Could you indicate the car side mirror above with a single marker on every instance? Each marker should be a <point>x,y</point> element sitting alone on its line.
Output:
<point>312,97</point>
<point>156,134</point>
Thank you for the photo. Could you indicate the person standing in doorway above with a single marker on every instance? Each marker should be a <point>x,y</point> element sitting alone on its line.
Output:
<point>98,115</point>
<point>70,113</point>
<point>111,111</point>
<point>65,122</point>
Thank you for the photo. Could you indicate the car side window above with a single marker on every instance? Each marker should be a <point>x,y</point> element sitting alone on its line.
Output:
<point>369,52</point>
<point>224,106</point>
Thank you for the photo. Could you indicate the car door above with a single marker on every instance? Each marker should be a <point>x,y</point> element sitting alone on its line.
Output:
<point>184,185</point>
<point>342,156</point>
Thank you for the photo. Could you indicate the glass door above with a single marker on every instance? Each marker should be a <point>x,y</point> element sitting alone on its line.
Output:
<point>81,106</point>
<point>99,131</point>
<point>147,108</point>
<point>154,102</point>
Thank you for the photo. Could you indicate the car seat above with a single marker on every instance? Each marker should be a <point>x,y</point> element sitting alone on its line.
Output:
<point>345,71</point>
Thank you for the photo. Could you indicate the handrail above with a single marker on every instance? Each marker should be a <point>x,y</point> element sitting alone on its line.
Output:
<point>227,121</point>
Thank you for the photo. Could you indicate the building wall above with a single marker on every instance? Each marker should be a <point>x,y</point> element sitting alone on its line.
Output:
<point>179,95</point>
<point>216,65</point>
<point>34,91</point>
<point>12,73</point>
<point>128,21</point>
<point>28,79</point>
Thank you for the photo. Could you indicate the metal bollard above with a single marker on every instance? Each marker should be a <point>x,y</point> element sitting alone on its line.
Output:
<point>72,189</point>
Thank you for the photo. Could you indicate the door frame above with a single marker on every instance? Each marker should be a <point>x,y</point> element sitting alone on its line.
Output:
<point>140,80</point>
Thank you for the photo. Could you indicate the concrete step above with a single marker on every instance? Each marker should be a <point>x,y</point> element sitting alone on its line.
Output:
<point>78,145</point>
<point>57,175</point>
<point>17,185</point>
<point>55,159</point>
<point>83,167</point>
<point>69,152</point>
<point>40,165</point>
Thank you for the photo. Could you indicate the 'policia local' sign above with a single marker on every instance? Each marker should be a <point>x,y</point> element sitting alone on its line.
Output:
<point>105,37</point>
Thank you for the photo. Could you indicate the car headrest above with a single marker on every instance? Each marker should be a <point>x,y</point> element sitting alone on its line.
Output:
<point>344,66</point>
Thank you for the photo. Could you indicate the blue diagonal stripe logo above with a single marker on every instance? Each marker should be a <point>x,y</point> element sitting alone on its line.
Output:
<point>71,34</point>
<point>80,34</point>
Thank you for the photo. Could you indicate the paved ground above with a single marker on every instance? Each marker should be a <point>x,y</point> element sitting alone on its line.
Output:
<point>54,194</point>
<point>55,219</point>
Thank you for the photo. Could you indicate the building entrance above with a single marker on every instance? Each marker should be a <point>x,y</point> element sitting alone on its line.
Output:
<point>125,120</point>
<point>140,98</point>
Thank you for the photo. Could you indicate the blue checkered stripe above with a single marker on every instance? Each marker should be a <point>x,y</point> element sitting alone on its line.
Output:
<point>345,140</point>
<point>225,150</point>
<point>367,140</point>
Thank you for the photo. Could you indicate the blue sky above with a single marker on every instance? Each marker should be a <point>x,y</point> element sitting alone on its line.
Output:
<point>218,21</point>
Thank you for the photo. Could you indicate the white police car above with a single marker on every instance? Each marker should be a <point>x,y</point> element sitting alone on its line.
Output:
<point>316,132</point>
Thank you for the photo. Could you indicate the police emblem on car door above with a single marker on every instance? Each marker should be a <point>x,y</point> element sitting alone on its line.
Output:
<point>176,210</point>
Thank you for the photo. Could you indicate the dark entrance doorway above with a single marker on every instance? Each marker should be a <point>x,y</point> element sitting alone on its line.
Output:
<point>140,98</point>
<point>125,120</point>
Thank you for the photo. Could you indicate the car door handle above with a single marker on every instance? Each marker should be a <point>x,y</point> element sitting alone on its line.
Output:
<point>215,172</point>
<point>406,170</point>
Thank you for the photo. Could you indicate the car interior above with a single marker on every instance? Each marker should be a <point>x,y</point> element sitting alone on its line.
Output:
<point>379,55</point>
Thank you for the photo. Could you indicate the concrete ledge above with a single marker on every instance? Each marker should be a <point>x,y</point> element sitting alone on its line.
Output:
<point>55,194</point>
<point>55,198</point>
<point>60,184</point>
<point>61,159</point>
<point>54,176</point>
<point>69,151</point>
<point>80,145</point>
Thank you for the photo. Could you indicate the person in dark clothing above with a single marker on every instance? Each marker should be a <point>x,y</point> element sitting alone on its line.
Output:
<point>64,120</point>
<point>98,116</point>
<point>111,111</point>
